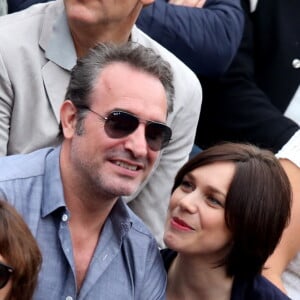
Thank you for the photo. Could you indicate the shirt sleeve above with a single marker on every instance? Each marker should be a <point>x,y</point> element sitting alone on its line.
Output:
<point>291,150</point>
<point>6,104</point>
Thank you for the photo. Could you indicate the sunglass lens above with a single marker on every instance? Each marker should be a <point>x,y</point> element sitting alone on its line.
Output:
<point>158,136</point>
<point>120,124</point>
<point>4,275</point>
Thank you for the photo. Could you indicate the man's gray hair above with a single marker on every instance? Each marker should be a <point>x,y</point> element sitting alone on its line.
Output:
<point>88,69</point>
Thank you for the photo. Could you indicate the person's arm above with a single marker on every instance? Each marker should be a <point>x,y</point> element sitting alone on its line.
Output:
<point>289,245</point>
<point>6,103</point>
<point>17,5</point>
<point>235,108</point>
<point>206,39</point>
<point>191,3</point>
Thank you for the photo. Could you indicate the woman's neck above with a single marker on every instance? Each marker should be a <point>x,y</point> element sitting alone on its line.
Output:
<point>189,279</point>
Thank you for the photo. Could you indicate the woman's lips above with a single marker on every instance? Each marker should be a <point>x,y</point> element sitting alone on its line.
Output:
<point>179,224</point>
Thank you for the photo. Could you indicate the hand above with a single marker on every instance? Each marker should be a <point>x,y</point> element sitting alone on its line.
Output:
<point>190,3</point>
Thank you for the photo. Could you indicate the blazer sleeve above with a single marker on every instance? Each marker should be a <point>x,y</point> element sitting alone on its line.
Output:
<point>6,106</point>
<point>236,109</point>
<point>17,5</point>
<point>205,39</point>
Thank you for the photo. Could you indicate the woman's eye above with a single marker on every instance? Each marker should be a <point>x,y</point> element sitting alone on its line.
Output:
<point>214,201</point>
<point>186,185</point>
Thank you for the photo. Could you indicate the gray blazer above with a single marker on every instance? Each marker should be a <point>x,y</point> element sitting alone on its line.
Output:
<point>36,56</point>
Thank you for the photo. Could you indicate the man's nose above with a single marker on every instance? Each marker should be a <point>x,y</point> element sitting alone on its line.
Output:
<point>136,142</point>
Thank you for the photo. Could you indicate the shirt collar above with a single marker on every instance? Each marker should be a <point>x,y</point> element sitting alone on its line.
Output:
<point>53,196</point>
<point>120,218</point>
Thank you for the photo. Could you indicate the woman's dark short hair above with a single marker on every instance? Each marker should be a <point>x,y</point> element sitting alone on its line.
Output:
<point>20,250</point>
<point>257,207</point>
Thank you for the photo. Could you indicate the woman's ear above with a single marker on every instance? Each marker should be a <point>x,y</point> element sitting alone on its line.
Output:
<point>68,118</point>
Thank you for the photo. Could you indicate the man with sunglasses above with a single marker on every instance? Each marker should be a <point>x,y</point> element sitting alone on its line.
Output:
<point>93,245</point>
<point>38,48</point>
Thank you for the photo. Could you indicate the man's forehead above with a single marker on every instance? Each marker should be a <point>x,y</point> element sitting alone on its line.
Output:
<point>122,85</point>
<point>123,76</point>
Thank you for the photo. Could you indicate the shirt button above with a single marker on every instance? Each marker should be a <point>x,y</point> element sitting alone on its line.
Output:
<point>65,219</point>
<point>69,298</point>
<point>296,63</point>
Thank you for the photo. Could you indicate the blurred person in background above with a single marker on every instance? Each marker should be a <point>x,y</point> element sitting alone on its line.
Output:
<point>20,257</point>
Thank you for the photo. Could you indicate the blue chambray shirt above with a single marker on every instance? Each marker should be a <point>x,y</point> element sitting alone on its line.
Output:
<point>126,263</point>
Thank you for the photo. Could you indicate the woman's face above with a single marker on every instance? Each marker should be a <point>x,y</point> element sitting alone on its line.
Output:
<point>4,292</point>
<point>195,222</point>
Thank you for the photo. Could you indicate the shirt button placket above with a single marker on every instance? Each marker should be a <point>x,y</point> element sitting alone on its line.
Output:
<point>65,218</point>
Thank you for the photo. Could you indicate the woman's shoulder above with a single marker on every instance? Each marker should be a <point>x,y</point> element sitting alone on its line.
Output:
<point>258,288</point>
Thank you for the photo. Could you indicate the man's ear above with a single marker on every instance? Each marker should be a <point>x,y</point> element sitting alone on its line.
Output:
<point>68,118</point>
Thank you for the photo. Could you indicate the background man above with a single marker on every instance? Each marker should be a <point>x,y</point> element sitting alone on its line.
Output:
<point>40,45</point>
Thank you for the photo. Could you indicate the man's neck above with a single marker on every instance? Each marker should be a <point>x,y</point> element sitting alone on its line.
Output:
<point>89,210</point>
<point>86,37</point>
<point>87,204</point>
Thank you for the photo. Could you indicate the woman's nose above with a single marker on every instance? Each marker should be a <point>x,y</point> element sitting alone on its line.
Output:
<point>189,203</point>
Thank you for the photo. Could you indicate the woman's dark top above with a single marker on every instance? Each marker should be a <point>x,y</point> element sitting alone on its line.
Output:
<point>259,288</point>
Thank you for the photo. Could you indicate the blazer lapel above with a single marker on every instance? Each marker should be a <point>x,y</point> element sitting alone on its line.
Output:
<point>58,45</point>
<point>56,81</point>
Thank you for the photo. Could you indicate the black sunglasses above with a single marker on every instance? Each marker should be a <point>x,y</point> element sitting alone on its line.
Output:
<point>119,124</point>
<point>5,273</point>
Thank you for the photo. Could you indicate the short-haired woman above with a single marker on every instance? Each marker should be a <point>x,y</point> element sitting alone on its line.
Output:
<point>228,209</point>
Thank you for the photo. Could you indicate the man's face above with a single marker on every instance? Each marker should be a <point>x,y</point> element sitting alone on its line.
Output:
<point>117,166</point>
<point>102,11</point>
